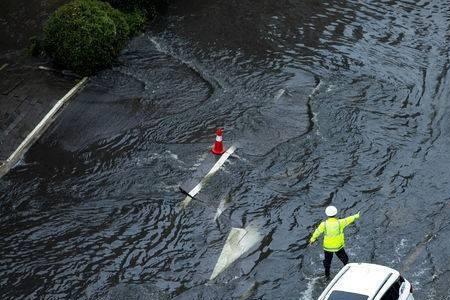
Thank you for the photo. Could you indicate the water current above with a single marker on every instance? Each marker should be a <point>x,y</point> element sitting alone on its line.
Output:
<point>342,102</point>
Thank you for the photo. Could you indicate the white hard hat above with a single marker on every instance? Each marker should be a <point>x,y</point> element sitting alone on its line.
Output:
<point>331,211</point>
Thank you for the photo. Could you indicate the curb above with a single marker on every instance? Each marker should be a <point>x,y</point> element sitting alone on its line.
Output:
<point>36,133</point>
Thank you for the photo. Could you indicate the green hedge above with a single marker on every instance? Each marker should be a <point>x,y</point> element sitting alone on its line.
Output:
<point>135,19</point>
<point>88,35</point>
<point>150,7</point>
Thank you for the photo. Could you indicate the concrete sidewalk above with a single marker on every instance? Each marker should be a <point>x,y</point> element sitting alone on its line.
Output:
<point>27,94</point>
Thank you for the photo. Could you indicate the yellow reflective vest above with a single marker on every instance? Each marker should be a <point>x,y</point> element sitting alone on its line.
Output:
<point>333,232</point>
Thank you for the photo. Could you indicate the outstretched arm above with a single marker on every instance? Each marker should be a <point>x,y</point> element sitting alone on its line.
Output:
<point>319,230</point>
<point>349,220</point>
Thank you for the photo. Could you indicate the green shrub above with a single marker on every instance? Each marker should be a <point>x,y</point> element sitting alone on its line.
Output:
<point>87,35</point>
<point>135,20</point>
<point>150,7</point>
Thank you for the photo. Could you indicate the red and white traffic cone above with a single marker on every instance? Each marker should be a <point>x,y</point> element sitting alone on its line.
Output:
<point>218,148</point>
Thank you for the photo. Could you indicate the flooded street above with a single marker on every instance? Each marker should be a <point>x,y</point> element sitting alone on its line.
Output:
<point>342,102</point>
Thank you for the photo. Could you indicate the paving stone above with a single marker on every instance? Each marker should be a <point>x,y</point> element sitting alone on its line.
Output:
<point>15,123</point>
<point>26,96</point>
<point>11,87</point>
<point>9,118</point>
<point>8,105</point>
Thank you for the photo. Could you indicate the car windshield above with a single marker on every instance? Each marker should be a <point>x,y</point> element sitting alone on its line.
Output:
<point>340,295</point>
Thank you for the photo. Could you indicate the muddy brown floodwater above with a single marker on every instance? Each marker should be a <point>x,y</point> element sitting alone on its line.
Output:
<point>343,102</point>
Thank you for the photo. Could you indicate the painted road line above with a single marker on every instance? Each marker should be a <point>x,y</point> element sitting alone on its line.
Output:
<point>186,201</point>
<point>39,129</point>
<point>239,241</point>
<point>279,94</point>
<point>191,194</point>
<point>222,206</point>
<point>219,163</point>
<point>4,66</point>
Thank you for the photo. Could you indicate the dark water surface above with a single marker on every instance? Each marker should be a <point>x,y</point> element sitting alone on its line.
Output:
<point>343,102</point>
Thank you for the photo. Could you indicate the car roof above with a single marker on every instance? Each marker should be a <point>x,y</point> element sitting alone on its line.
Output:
<point>361,278</point>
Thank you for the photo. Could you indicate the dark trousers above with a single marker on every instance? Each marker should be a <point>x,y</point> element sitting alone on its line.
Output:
<point>329,256</point>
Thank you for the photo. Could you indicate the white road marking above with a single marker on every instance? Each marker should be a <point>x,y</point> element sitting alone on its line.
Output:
<point>211,172</point>
<point>279,94</point>
<point>239,241</point>
<point>220,209</point>
<point>39,129</point>
<point>186,201</point>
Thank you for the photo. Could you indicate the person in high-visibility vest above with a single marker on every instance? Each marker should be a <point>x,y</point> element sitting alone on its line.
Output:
<point>333,237</point>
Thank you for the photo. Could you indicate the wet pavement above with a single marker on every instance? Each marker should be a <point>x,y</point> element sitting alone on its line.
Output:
<point>22,20</point>
<point>26,96</point>
<point>337,102</point>
<point>27,93</point>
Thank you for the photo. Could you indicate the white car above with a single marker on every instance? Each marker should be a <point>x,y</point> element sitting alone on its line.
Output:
<point>367,282</point>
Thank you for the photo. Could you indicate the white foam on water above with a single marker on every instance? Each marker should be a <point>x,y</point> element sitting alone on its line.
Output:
<point>157,45</point>
<point>198,162</point>
<point>173,156</point>
<point>239,157</point>
<point>172,188</point>
<point>421,272</point>
<point>314,91</point>
<point>316,122</point>
<point>400,247</point>
<point>308,293</point>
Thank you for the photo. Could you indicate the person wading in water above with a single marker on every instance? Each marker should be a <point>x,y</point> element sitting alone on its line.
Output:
<point>333,237</point>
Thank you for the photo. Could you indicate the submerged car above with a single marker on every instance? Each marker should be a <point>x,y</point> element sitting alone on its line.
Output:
<point>361,281</point>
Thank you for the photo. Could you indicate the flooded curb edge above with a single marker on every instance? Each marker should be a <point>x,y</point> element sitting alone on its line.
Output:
<point>40,128</point>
